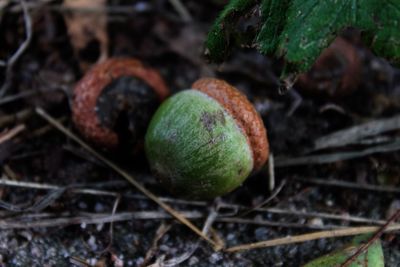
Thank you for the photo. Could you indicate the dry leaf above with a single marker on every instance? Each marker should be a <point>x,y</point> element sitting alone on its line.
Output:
<point>87,22</point>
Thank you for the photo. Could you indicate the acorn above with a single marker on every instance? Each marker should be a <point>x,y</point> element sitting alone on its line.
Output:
<point>336,72</point>
<point>204,142</point>
<point>115,100</point>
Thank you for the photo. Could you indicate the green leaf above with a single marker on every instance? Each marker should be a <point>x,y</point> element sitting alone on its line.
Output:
<point>385,31</point>
<point>373,257</point>
<point>312,25</point>
<point>298,30</point>
<point>220,36</point>
<point>273,17</point>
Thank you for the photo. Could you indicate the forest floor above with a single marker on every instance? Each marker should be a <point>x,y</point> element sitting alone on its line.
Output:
<point>63,206</point>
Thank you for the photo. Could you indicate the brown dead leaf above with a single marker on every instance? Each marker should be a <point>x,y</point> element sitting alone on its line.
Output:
<point>87,23</point>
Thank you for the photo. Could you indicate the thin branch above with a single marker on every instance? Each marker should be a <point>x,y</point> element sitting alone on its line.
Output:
<point>334,157</point>
<point>17,117</point>
<point>181,258</point>
<point>350,231</point>
<point>271,172</point>
<point>111,229</point>
<point>279,224</point>
<point>33,220</point>
<point>181,10</point>
<point>124,174</point>
<point>265,202</point>
<point>14,58</point>
<point>161,231</point>
<point>25,221</point>
<point>11,98</point>
<point>80,189</point>
<point>350,185</point>
<point>12,133</point>
<point>358,132</point>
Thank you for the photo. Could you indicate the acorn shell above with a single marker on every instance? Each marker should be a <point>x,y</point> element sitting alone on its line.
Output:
<point>90,87</point>
<point>197,148</point>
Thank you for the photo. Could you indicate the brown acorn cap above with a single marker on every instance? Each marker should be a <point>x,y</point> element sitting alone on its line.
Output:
<point>340,55</point>
<point>89,88</point>
<point>242,111</point>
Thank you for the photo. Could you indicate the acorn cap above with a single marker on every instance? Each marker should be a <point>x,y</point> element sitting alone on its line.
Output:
<point>244,113</point>
<point>90,87</point>
<point>340,55</point>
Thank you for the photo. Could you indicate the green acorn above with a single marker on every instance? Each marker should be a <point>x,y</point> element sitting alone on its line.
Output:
<point>204,142</point>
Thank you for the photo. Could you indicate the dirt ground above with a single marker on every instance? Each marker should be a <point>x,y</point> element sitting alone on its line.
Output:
<point>62,206</point>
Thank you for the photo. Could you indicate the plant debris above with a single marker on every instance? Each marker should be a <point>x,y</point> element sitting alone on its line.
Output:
<point>334,172</point>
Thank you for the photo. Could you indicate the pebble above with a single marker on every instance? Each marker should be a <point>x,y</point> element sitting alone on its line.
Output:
<point>215,258</point>
<point>261,233</point>
<point>193,260</point>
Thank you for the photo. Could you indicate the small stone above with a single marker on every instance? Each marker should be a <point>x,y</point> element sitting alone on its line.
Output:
<point>215,258</point>
<point>261,233</point>
<point>316,222</point>
<point>193,260</point>
<point>92,242</point>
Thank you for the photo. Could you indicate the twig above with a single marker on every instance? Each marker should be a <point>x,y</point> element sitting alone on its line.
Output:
<point>79,262</point>
<point>265,202</point>
<point>350,231</point>
<point>352,134</point>
<point>14,58</point>
<point>350,185</point>
<point>12,133</point>
<point>334,157</point>
<point>110,9</point>
<point>20,116</point>
<point>15,97</point>
<point>181,9</point>
<point>271,172</point>
<point>79,189</point>
<point>279,224</point>
<point>161,231</point>
<point>88,218</point>
<point>45,219</point>
<point>39,205</point>
<point>366,245</point>
<point>180,259</point>
<point>43,186</point>
<point>43,130</point>
<point>111,231</point>
<point>124,174</point>
<point>347,218</point>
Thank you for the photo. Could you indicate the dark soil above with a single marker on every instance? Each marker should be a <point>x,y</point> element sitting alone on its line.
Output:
<point>54,226</point>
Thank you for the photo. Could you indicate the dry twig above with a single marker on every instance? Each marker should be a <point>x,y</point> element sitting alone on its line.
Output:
<point>350,185</point>
<point>161,231</point>
<point>14,58</point>
<point>265,202</point>
<point>84,189</point>
<point>350,231</point>
<point>334,157</point>
<point>358,132</point>
<point>12,133</point>
<point>19,116</point>
<point>181,9</point>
